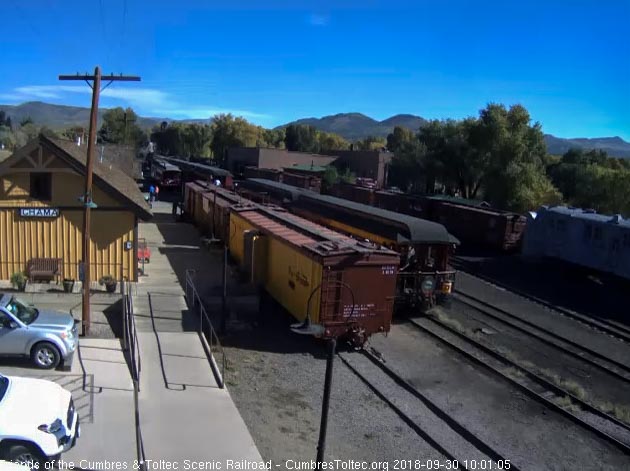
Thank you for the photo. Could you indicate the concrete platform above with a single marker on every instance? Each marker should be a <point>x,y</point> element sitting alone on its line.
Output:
<point>184,415</point>
<point>102,390</point>
<point>110,435</point>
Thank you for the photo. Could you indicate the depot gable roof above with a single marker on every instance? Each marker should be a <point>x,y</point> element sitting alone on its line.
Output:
<point>110,179</point>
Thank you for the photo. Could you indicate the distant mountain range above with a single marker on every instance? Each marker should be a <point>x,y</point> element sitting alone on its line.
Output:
<point>357,126</point>
<point>354,126</point>
<point>60,116</point>
<point>349,125</point>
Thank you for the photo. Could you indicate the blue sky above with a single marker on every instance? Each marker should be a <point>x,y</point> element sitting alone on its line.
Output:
<point>275,61</point>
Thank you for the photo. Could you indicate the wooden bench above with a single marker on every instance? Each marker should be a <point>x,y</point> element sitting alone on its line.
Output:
<point>44,269</point>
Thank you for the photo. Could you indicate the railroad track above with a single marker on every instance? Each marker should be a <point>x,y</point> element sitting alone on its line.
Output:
<point>413,408</point>
<point>614,368</point>
<point>614,329</point>
<point>533,385</point>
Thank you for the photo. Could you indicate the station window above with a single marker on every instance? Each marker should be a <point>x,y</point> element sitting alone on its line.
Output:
<point>41,186</point>
<point>598,233</point>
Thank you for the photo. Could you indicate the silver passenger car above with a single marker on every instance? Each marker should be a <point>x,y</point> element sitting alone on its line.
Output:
<point>581,237</point>
<point>47,337</point>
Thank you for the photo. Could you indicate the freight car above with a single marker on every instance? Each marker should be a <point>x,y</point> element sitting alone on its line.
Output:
<point>337,286</point>
<point>309,182</point>
<point>260,191</point>
<point>424,276</point>
<point>580,237</point>
<point>266,173</point>
<point>475,223</point>
<point>356,193</point>
<point>208,206</point>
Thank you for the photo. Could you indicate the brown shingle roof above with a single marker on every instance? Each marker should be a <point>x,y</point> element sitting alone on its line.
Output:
<point>121,185</point>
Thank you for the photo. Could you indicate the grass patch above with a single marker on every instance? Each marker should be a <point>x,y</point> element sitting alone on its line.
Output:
<point>566,403</point>
<point>574,388</point>
<point>514,373</point>
<point>567,384</point>
<point>620,412</point>
<point>449,322</point>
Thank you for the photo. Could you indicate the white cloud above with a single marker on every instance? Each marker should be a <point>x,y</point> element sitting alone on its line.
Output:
<point>318,20</point>
<point>147,101</point>
<point>205,113</point>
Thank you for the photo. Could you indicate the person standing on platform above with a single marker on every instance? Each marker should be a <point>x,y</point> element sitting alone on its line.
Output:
<point>157,192</point>
<point>151,193</point>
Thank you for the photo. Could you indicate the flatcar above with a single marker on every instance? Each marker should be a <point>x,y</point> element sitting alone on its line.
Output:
<point>165,175</point>
<point>580,237</point>
<point>337,286</point>
<point>424,276</point>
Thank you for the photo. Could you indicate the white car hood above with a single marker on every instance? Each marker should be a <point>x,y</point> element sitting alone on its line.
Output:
<point>29,403</point>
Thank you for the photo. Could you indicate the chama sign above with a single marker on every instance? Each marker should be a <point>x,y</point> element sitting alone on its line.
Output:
<point>39,212</point>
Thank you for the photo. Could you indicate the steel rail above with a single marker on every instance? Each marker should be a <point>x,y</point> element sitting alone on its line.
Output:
<point>541,380</point>
<point>450,421</point>
<point>483,310</point>
<point>620,332</point>
<point>625,448</point>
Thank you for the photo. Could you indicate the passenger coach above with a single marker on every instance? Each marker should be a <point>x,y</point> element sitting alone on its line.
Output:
<point>580,237</point>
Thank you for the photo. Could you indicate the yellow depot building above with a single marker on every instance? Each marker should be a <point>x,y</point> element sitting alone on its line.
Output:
<point>41,212</point>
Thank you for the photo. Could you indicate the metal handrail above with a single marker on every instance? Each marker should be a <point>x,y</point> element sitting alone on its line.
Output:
<point>130,343</point>
<point>208,334</point>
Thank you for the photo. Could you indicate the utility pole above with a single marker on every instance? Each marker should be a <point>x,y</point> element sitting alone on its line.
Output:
<point>127,120</point>
<point>87,196</point>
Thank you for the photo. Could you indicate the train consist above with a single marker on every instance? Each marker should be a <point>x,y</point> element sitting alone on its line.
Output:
<point>580,237</point>
<point>172,173</point>
<point>192,171</point>
<point>335,285</point>
<point>474,223</point>
<point>208,206</point>
<point>424,275</point>
<point>167,176</point>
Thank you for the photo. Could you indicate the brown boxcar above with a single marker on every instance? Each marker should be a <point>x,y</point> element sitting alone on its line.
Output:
<point>267,173</point>
<point>338,286</point>
<point>355,193</point>
<point>476,224</point>
<point>425,275</point>
<point>310,182</point>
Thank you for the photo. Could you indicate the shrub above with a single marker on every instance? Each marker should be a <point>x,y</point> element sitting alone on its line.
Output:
<point>106,280</point>
<point>18,279</point>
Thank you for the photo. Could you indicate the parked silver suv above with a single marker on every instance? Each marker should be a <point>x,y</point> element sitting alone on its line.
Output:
<point>47,337</point>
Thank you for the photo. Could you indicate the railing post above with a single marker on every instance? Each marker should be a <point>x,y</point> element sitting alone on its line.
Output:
<point>125,315</point>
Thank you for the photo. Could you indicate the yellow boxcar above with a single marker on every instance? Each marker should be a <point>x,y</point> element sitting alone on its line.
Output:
<point>345,287</point>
